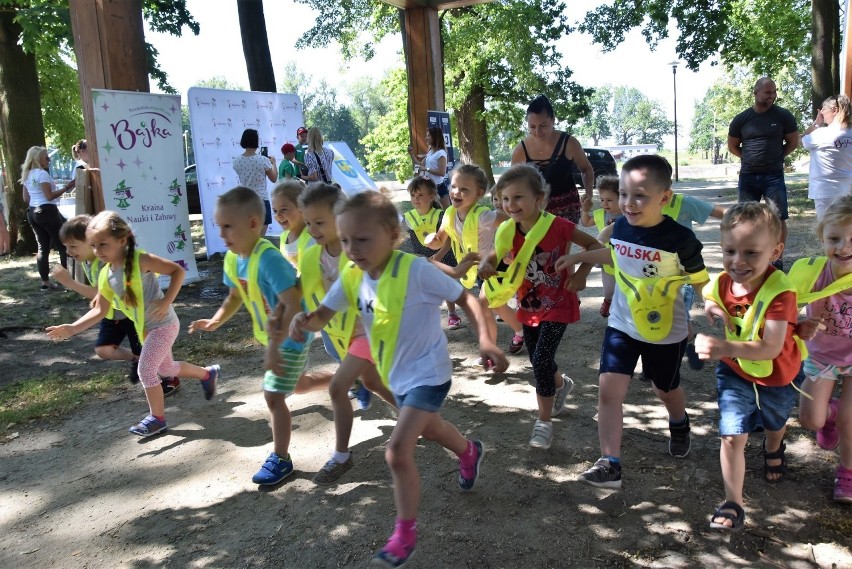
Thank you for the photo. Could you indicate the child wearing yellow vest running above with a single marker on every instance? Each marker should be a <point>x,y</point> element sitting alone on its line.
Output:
<point>827,291</point>
<point>601,218</point>
<point>469,228</point>
<point>344,338</point>
<point>424,220</point>
<point>115,327</point>
<point>398,297</point>
<point>529,243</point>
<point>759,356</point>
<point>653,256</point>
<point>285,209</point>
<point>260,279</point>
<point>129,279</point>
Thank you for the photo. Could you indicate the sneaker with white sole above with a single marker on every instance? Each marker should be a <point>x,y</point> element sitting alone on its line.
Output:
<point>562,394</point>
<point>603,474</point>
<point>469,473</point>
<point>209,384</point>
<point>843,485</point>
<point>170,385</point>
<point>332,471</point>
<point>542,436</point>
<point>273,471</point>
<point>454,322</point>
<point>680,440</point>
<point>148,427</point>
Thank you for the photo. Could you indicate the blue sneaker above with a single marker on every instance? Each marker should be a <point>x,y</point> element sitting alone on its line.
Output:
<point>469,474</point>
<point>364,397</point>
<point>386,558</point>
<point>273,471</point>
<point>148,427</point>
<point>209,385</point>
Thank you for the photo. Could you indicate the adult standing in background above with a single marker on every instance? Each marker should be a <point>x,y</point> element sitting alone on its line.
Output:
<point>554,153</point>
<point>318,158</point>
<point>301,146</point>
<point>762,136</point>
<point>254,169</point>
<point>830,171</point>
<point>43,214</point>
<point>433,164</point>
<point>80,154</point>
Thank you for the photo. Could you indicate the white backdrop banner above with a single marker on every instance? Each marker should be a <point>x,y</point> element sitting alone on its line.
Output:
<point>218,118</point>
<point>140,149</point>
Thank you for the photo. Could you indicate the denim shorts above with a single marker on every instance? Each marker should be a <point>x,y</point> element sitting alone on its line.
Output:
<point>752,187</point>
<point>739,398</point>
<point>660,362</point>
<point>425,397</point>
<point>688,299</point>
<point>267,217</point>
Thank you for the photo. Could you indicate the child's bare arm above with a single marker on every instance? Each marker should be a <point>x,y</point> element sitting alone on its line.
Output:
<point>587,219</point>
<point>310,322</point>
<point>92,317</point>
<point>64,278</point>
<point>229,307</point>
<point>600,256</point>
<point>438,241</point>
<point>488,349</point>
<point>767,348</point>
<point>718,211</point>
<point>176,274</point>
<point>461,269</point>
<point>577,281</point>
<point>278,325</point>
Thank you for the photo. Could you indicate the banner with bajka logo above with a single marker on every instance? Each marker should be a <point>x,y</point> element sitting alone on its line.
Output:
<point>140,150</point>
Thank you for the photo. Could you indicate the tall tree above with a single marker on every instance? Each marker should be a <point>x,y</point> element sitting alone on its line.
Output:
<point>256,45</point>
<point>385,145</point>
<point>595,125</point>
<point>637,119</point>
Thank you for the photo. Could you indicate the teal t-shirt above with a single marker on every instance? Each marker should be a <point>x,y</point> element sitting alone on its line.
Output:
<point>287,169</point>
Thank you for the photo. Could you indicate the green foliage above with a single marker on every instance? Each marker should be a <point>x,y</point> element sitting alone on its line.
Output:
<point>60,102</point>
<point>636,119</point>
<point>345,22</point>
<point>334,119</point>
<point>219,82</point>
<point>386,145</point>
<point>595,125</point>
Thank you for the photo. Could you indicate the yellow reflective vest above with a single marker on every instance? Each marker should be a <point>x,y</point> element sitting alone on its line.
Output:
<point>468,241</point>
<point>301,243</point>
<point>423,225</point>
<point>387,310</point>
<point>93,271</point>
<point>253,297</point>
<point>804,274</point>
<point>672,208</point>
<point>135,313</point>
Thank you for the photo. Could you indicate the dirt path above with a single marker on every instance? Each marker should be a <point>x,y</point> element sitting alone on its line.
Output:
<point>81,492</point>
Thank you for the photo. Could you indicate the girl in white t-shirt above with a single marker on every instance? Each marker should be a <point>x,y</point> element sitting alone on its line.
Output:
<point>433,164</point>
<point>399,297</point>
<point>830,170</point>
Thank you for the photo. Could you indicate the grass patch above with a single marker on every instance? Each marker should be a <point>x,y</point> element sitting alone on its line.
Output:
<point>50,396</point>
<point>798,202</point>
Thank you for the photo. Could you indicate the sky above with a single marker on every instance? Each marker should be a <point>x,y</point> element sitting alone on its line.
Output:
<point>217,50</point>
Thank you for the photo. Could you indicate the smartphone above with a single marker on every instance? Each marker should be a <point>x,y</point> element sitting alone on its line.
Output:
<point>264,151</point>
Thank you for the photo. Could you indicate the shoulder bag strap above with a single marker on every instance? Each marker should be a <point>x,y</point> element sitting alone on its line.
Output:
<point>321,169</point>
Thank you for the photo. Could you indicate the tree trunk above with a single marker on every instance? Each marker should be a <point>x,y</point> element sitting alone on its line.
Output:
<point>256,45</point>
<point>472,131</point>
<point>825,51</point>
<point>21,124</point>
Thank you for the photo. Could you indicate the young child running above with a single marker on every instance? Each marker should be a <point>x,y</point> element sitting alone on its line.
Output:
<point>115,327</point>
<point>601,218</point>
<point>398,296</point>
<point>469,228</point>
<point>285,208</point>
<point>421,222</point>
<point>344,337</point>
<point>825,285</point>
<point>759,355</point>
<point>530,243</point>
<point>653,256</point>
<point>129,279</point>
<point>260,279</point>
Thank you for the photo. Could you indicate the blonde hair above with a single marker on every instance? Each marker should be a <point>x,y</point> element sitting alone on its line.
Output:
<point>116,227</point>
<point>838,213</point>
<point>243,199</point>
<point>314,139</point>
<point>78,146</point>
<point>475,172</point>
<point>319,193</point>
<point>525,174</point>
<point>31,162</point>
<point>842,106</point>
<point>761,215</point>
<point>290,190</point>
<point>376,204</point>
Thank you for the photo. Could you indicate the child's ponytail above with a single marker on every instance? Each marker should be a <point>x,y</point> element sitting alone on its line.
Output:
<point>129,296</point>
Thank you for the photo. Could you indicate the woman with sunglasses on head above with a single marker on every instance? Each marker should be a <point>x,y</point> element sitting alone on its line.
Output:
<point>829,141</point>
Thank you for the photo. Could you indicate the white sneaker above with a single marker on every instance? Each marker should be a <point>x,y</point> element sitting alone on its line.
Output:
<point>562,394</point>
<point>542,435</point>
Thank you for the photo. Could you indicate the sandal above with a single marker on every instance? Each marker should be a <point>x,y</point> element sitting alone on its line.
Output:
<point>737,517</point>
<point>777,469</point>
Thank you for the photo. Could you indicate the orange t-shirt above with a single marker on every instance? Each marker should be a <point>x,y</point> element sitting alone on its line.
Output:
<point>783,307</point>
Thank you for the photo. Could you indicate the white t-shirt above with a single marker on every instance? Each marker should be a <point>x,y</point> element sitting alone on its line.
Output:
<point>431,163</point>
<point>421,356</point>
<point>251,171</point>
<point>486,230</point>
<point>830,174</point>
<point>330,271</point>
<point>34,181</point>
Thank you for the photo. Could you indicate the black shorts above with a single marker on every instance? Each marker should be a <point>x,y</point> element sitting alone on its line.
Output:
<point>113,333</point>
<point>660,362</point>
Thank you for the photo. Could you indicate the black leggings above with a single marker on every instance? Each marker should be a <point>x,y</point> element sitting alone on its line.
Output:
<point>542,341</point>
<point>46,221</point>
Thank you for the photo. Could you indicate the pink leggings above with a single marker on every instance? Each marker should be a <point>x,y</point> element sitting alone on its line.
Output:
<point>156,357</point>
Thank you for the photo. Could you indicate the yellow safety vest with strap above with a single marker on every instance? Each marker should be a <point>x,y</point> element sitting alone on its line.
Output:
<point>387,309</point>
<point>253,297</point>
<point>301,243</point>
<point>468,241</point>
<point>672,208</point>
<point>499,289</point>
<point>93,271</point>
<point>652,299</point>
<point>748,327</point>
<point>422,225</point>
<point>339,328</point>
<point>135,313</point>
<point>600,223</point>
<point>804,274</point>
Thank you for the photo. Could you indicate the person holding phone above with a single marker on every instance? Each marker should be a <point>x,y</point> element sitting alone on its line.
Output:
<point>255,169</point>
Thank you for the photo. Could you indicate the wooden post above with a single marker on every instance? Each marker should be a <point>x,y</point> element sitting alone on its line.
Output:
<point>425,69</point>
<point>109,42</point>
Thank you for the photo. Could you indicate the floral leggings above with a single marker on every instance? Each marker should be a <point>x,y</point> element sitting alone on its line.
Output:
<point>156,357</point>
<point>541,342</point>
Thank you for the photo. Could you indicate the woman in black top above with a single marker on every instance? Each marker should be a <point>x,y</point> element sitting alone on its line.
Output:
<point>554,152</point>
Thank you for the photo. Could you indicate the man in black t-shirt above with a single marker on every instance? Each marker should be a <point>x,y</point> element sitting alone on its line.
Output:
<point>762,136</point>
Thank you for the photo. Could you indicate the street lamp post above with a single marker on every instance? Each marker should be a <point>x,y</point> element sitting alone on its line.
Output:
<point>674,65</point>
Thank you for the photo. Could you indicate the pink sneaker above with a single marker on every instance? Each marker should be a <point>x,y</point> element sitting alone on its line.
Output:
<point>516,345</point>
<point>453,321</point>
<point>843,485</point>
<point>828,437</point>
